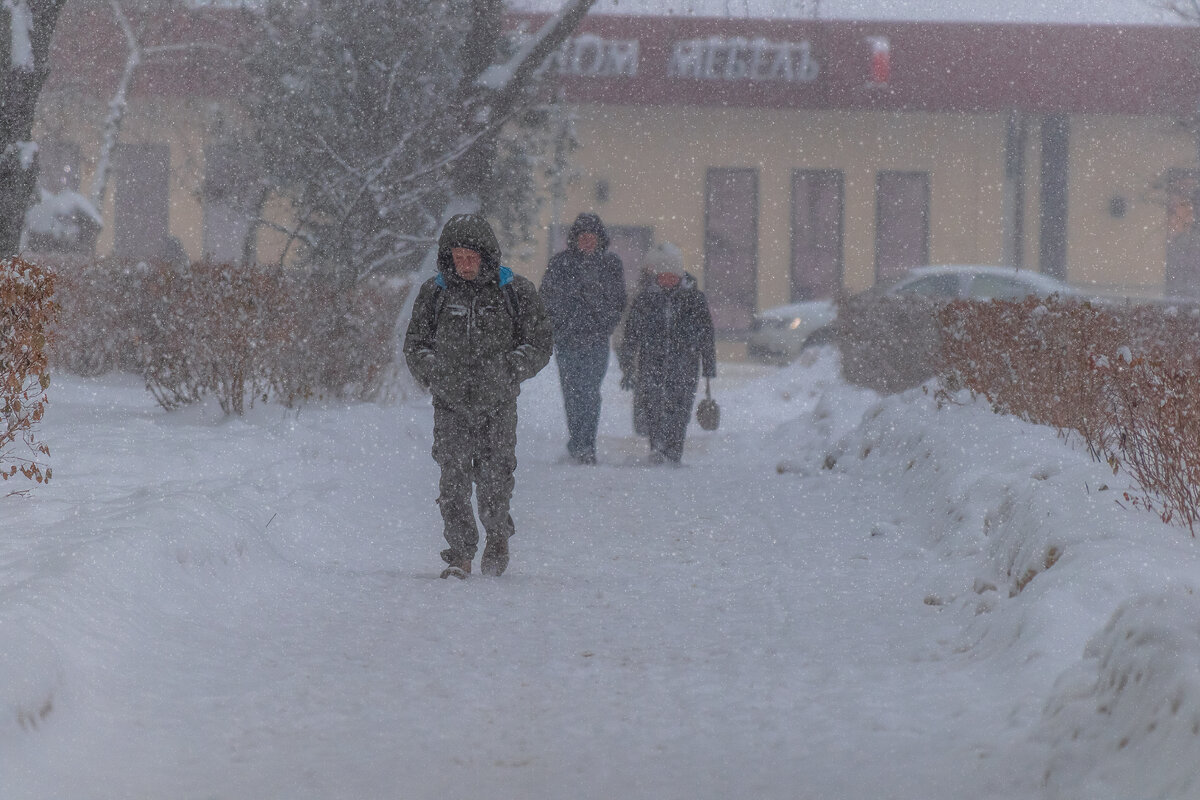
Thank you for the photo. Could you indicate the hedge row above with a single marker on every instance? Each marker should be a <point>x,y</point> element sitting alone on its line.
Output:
<point>1126,380</point>
<point>27,311</point>
<point>239,334</point>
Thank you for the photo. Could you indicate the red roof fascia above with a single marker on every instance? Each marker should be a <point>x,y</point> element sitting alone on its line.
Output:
<point>965,67</point>
<point>88,53</point>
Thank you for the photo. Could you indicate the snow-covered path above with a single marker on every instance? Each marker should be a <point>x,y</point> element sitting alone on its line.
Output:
<point>250,609</point>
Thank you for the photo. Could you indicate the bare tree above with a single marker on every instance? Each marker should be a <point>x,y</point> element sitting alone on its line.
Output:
<point>140,23</point>
<point>373,114</point>
<point>490,98</point>
<point>24,56</point>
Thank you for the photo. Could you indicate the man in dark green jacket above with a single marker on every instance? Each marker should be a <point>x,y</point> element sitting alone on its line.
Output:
<point>477,331</point>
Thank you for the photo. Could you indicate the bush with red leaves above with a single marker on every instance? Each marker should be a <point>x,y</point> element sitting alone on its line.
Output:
<point>1125,379</point>
<point>27,311</point>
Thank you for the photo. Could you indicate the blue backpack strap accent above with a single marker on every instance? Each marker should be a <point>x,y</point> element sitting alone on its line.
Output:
<point>506,291</point>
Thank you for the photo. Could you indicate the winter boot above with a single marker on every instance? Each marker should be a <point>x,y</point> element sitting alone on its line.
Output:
<point>460,567</point>
<point>495,557</point>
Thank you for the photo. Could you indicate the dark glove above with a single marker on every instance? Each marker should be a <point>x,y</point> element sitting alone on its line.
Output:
<point>626,382</point>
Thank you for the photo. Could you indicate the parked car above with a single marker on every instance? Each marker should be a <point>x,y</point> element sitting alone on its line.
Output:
<point>978,282</point>
<point>778,334</point>
<point>967,281</point>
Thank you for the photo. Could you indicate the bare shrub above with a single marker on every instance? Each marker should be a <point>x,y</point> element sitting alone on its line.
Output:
<point>345,346</point>
<point>1032,359</point>
<point>1156,410</point>
<point>26,313</point>
<point>220,330</point>
<point>1124,379</point>
<point>102,314</point>
<point>265,333</point>
<point>240,334</point>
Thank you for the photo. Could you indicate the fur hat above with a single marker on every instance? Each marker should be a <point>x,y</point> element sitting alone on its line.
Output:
<point>664,257</point>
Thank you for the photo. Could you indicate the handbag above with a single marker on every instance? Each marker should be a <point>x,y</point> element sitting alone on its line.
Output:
<point>708,413</point>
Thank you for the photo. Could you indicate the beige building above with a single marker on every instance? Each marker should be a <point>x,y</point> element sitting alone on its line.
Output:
<point>795,160</point>
<point>789,160</point>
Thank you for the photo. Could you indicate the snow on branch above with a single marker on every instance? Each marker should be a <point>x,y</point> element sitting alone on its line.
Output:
<point>503,78</point>
<point>20,27</point>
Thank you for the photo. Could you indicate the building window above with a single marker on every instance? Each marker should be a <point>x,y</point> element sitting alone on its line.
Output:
<point>731,246</point>
<point>817,211</point>
<point>901,223</point>
<point>141,218</point>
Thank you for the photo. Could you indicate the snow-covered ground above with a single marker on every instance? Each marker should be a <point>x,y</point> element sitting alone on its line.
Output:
<point>838,596</point>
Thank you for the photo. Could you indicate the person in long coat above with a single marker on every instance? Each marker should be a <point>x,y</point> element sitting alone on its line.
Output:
<point>477,331</point>
<point>584,293</point>
<point>668,343</point>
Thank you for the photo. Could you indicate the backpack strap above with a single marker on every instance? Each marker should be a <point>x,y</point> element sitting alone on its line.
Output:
<point>509,292</point>
<point>439,301</point>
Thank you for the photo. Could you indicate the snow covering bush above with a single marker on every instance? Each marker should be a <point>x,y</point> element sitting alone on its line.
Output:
<point>63,221</point>
<point>26,313</point>
<point>1123,379</point>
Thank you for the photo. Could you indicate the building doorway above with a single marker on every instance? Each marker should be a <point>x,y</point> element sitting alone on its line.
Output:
<point>731,246</point>
<point>141,216</point>
<point>817,212</point>
<point>1183,234</point>
<point>901,223</point>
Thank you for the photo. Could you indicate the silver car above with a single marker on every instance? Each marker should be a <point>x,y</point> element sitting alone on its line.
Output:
<point>977,282</point>
<point>780,334</point>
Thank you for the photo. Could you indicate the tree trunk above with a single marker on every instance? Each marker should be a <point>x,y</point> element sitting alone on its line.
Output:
<point>24,66</point>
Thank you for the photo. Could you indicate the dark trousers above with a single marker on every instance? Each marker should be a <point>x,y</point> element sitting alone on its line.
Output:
<point>667,413</point>
<point>580,372</point>
<point>480,449</point>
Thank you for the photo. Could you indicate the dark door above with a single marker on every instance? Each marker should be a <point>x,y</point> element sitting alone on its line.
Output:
<point>1055,176</point>
<point>228,192</point>
<point>901,223</point>
<point>817,208</point>
<point>142,213</point>
<point>731,246</point>
<point>58,166</point>
<point>1183,233</point>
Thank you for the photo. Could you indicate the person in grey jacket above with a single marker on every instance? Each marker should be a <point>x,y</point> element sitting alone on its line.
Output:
<point>477,331</point>
<point>584,293</point>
